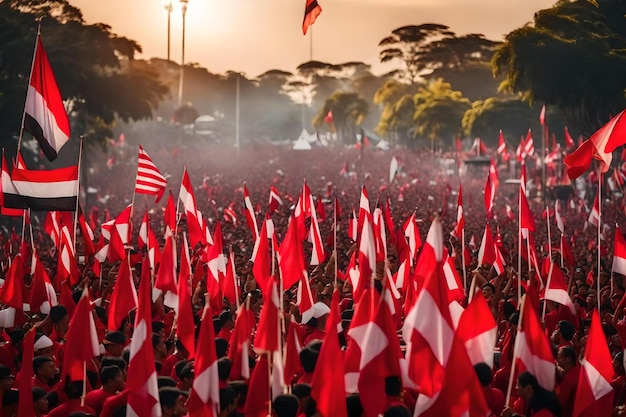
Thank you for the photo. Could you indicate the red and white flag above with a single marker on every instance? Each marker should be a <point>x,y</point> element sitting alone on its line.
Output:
<point>83,340</point>
<point>141,382</point>
<point>556,288</point>
<point>42,293</point>
<point>542,115</point>
<point>185,326</point>
<point>428,329</point>
<point>478,330</point>
<point>457,232</point>
<point>239,350</point>
<point>318,255</point>
<point>557,216</point>
<point>364,208</point>
<point>352,226</point>
<point>328,384</point>
<point>412,233</point>
<point>123,298</point>
<point>194,217</point>
<point>529,145</point>
<point>594,215</point>
<point>501,145</point>
<point>248,209</point>
<point>204,399</point>
<point>487,250</point>
<point>489,195</point>
<point>532,347</point>
<point>619,252</point>
<point>569,141</point>
<point>599,146</point>
<point>44,114</point>
<point>594,393</point>
<point>149,179</point>
<point>275,200</point>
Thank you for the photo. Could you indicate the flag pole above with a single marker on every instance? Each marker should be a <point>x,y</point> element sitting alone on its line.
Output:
<point>599,234</point>
<point>545,301</point>
<point>335,237</point>
<point>543,154</point>
<point>463,261</point>
<point>519,243</point>
<point>80,158</point>
<point>549,235</point>
<point>32,66</point>
<point>507,402</point>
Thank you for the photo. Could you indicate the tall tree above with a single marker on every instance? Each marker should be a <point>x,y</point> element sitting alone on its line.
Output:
<point>95,69</point>
<point>396,119</point>
<point>407,45</point>
<point>573,57</point>
<point>439,111</point>
<point>348,110</point>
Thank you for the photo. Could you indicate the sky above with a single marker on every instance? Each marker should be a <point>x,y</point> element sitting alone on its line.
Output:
<point>253,36</point>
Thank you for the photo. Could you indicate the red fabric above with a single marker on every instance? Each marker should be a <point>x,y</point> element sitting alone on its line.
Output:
<point>566,390</point>
<point>69,407</point>
<point>96,398</point>
<point>495,399</point>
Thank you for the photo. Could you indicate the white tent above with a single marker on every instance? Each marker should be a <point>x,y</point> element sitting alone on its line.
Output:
<point>301,145</point>
<point>304,135</point>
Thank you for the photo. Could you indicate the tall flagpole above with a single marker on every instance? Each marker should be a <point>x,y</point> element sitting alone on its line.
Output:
<point>335,238</point>
<point>599,234</point>
<point>543,155</point>
<point>80,158</point>
<point>519,242</point>
<point>30,77</point>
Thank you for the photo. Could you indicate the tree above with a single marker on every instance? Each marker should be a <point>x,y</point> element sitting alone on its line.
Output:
<point>407,44</point>
<point>439,111</point>
<point>396,119</point>
<point>513,116</point>
<point>95,69</point>
<point>573,57</point>
<point>348,110</point>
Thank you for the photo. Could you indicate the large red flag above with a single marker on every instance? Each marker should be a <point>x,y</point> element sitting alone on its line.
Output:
<point>594,394</point>
<point>185,329</point>
<point>25,407</point>
<point>205,393</point>
<point>124,297</point>
<point>328,384</point>
<point>141,383</point>
<point>44,114</point>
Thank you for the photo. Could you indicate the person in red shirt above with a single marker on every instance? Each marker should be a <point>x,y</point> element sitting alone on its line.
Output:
<point>112,382</point>
<point>566,390</point>
<point>228,324</point>
<point>40,401</point>
<point>179,354</point>
<point>308,358</point>
<point>315,327</point>
<point>493,396</point>
<point>73,390</point>
<point>619,381</point>
<point>540,402</point>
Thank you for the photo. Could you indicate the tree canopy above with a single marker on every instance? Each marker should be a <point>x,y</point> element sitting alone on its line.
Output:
<point>572,57</point>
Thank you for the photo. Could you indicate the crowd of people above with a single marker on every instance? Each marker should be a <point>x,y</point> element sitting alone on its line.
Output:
<point>423,185</point>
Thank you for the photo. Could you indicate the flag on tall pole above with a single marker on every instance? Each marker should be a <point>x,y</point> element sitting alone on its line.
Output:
<point>44,114</point>
<point>311,11</point>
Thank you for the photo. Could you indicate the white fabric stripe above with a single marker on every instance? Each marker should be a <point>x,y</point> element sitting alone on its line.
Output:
<point>599,386</point>
<point>619,264</point>
<point>37,107</point>
<point>47,190</point>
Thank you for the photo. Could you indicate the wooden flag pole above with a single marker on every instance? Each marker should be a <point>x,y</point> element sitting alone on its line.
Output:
<point>599,235</point>
<point>80,159</point>
<point>32,66</point>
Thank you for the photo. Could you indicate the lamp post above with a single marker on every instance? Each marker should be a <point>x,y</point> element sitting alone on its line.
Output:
<point>183,4</point>
<point>169,8</point>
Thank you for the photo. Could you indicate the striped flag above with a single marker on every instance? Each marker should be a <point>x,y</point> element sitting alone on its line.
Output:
<point>43,190</point>
<point>44,114</point>
<point>149,179</point>
<point>311,11</point>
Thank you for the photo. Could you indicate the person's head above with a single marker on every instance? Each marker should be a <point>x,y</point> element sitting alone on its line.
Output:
<point>285,405</point>
<point>40,401</point>
<point>308,358</point>
<point>353,405</point>
<point>158,344</point>
<point>112,360</point>
<point>397,411</point>
<point>186,377</point>
<point>221,347</point>
<point>564,332</point>
<point>114,343</point>
<point>224,365</point>
<point>393,386</point>
<point>303,392</point>
<point>10,399</point>
<point>227,320</point>
<point>43,346</point>
<point>483,372</point>
<point>527,385</point>
<point>44,368</point>
<point>6,378</point>
<point>112,378</point>
<point>488,290</point>
<point>73,389</point>
<point>228,402</point>
<point>60,319</point>
<point>172,402</point>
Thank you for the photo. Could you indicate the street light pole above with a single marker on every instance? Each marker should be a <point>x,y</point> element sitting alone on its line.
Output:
<point>237,114</point>
<point>168,8</point>
<point>183,4</point>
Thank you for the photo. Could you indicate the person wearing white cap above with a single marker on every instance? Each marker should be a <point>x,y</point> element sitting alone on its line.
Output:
<point>316,325</point>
